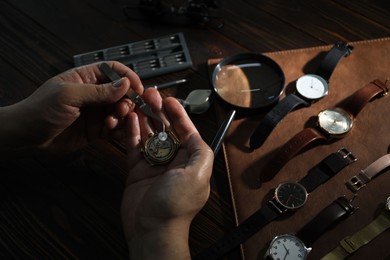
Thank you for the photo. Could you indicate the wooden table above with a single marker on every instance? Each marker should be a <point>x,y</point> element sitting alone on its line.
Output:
<point>68,207</point>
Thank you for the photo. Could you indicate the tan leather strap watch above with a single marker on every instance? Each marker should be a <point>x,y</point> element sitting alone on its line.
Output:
<point>352,243</point>
<point>331,123</point>
<point>360,180</point>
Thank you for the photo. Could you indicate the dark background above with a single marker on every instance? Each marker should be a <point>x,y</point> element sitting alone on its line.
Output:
<point>68,207</point>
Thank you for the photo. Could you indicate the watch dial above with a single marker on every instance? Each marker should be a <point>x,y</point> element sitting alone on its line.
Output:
<point>291,195</point>
<point>287,247</point>
<point>335,121</point>
<point>312,86</point>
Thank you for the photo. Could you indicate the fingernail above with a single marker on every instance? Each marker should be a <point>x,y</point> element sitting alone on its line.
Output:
<point>117,83</point>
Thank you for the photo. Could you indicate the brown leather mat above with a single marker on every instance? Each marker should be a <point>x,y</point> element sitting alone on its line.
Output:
<point>368,140</point>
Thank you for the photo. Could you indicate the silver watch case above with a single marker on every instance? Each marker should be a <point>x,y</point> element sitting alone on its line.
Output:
<point>278,250</point>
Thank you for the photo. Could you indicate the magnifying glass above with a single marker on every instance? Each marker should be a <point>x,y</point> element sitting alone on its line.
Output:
<point>245,83</point>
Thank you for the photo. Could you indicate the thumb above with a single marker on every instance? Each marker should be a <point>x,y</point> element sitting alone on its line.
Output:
<point>92,94</point>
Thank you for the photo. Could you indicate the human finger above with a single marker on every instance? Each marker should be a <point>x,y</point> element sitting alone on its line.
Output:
<point>179,118</point>
<point>120,69</point>
<point>123,107</point>
<point>145,124</point>
<point>83,94</point>
<point>133,139</point>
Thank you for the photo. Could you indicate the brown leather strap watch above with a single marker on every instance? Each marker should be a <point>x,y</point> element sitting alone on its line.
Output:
<point>332,123</point>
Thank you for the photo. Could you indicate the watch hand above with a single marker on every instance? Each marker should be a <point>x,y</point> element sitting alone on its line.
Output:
<point>287,201</point>
<point>287,252</point>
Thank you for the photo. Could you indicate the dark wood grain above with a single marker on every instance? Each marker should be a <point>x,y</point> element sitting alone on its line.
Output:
<point>68,207</point>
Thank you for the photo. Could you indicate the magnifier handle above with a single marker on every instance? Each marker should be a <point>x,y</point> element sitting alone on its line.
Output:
<point>216,144</point>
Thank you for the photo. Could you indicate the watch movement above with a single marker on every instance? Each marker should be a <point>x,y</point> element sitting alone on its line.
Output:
<point>160,148</point>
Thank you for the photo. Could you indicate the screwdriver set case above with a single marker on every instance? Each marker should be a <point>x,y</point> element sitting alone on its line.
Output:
<point>148,58</point>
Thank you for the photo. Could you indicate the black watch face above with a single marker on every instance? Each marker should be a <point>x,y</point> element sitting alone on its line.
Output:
<point>291,195</point>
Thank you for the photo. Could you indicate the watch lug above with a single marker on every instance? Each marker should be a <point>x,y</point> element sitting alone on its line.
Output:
<point>344,46</point>
<point>279,208</point>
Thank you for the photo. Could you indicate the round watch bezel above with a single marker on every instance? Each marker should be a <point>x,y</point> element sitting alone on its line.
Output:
<point>282,240</point>
<point>334,129</point>
<point>387,206</point>
<point>152,158</point>
<point>301,86</point>
<point>282,201</point>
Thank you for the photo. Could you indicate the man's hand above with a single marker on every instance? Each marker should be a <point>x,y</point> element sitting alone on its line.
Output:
<point>70,109</point>
<point>159,202</point>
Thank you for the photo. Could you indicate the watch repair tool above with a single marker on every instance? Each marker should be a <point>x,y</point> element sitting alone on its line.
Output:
<point>134,97</point>
<point>161,147</point>
<point>185,12</point>
<point>148,58</point>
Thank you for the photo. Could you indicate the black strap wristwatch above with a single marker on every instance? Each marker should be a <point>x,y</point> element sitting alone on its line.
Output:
<point>309,88</point>
<point>288,196</point>
<point>298,246</point>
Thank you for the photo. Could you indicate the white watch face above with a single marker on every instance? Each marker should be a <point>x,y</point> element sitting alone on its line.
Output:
<point>335,121</point>
<point>312,86</point>
<point>287,247</point>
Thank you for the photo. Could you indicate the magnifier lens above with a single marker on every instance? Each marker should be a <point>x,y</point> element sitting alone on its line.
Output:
<point>245,82</point>
<point>248,83</point>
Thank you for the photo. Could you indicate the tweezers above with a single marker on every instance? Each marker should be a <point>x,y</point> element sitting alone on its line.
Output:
<point>134,97</point>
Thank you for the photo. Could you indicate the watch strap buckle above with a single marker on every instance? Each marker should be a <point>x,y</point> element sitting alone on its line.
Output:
<point>345,153</point>
<point>383,86</point>
<point>355,183</point>
<point>348,245</point>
